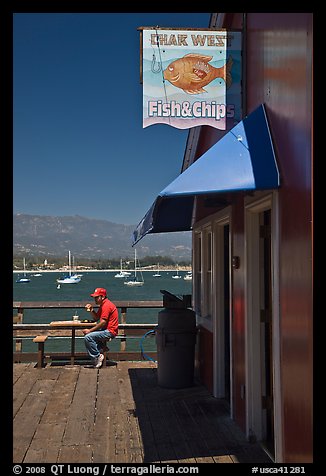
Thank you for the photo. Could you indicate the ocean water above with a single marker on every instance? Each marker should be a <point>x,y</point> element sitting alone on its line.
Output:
<point>44,288</point>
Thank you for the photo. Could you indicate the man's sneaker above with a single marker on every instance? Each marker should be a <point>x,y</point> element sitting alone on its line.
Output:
<point>99,362</point>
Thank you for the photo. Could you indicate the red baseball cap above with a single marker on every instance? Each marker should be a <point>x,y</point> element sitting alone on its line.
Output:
<point>99,292</point>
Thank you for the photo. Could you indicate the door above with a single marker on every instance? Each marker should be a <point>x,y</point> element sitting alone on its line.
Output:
<point>259,325</point>
<point>262,323</point>
<point>266,313</point>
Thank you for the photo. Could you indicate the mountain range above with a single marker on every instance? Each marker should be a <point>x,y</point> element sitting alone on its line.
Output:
<point>46,236</point>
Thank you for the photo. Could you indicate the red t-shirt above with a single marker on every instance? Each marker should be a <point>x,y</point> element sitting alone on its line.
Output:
<point>109,312</point>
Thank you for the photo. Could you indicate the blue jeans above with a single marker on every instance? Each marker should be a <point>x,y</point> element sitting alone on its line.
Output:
<point>94,341</point>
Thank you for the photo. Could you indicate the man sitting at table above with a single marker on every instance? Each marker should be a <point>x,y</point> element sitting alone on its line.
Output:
<point>105,329</point>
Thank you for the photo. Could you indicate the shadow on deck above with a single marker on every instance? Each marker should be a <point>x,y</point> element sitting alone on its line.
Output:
<point>74,414</point>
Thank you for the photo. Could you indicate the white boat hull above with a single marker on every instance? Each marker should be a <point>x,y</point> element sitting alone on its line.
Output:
<point>122,275</point>
<point>69,280</point>
<point>134,283</point>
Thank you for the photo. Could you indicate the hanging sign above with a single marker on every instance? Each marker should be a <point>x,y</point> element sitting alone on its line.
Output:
<point>186,75</point>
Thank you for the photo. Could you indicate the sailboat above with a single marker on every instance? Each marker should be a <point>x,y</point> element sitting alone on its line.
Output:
<point>122,274</point>
<point>24,279</point>
<point>157,274</point>
<point>176,276</point>
<point>71,278</point>
<point>134,281</point>
<point>188,276</point>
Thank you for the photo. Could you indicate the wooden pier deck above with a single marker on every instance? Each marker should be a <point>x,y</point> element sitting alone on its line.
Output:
<point>74,414</point>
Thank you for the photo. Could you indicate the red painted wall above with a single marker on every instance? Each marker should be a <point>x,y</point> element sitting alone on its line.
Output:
<point>238,319</point>
<point>205,354</point>
<point>279,74</point>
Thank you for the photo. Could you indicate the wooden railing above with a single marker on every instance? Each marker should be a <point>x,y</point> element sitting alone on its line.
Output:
<point>22,330</point>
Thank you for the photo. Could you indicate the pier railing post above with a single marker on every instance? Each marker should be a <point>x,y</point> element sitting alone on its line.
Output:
<point>18,319</point>
<point>123,321</point>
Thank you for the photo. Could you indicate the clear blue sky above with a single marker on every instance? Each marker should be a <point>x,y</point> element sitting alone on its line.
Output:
<point>79,145</point>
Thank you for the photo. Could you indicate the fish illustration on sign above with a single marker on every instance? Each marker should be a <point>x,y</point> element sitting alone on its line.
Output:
<point>192,72</point>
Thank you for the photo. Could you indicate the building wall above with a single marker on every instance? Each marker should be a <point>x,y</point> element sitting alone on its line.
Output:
<point>278,54</point>
<point>279,73</point>
<point>238,321</point>
<point>205,353</point>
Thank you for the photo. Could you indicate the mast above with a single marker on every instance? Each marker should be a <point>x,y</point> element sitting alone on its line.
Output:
<point>69,262</point>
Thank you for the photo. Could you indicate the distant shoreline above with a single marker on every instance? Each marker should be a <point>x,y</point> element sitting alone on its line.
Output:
<point>117,270</point>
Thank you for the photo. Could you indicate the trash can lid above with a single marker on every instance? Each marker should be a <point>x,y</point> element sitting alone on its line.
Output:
<point>170,296</point>
<point>173,301</point>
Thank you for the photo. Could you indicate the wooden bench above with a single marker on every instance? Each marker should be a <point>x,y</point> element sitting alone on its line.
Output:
<point>40,340</point>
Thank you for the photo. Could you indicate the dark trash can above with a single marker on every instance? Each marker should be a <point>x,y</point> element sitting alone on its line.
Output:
<point>176,339</point>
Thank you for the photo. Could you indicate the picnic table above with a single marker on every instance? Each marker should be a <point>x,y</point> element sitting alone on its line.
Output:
<point>72,325</point>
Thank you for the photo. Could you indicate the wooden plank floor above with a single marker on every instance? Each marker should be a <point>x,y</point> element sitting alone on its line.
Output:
<point>74,414</point>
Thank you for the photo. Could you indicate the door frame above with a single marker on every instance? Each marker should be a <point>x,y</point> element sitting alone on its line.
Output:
<point>254,420</point>
<point>222,219</point>
<point>216,223</point>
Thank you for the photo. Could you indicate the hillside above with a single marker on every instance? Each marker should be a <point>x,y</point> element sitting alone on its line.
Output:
<point>46,236</point>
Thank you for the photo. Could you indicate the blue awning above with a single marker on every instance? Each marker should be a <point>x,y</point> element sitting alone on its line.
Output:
<point>242,160</point>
